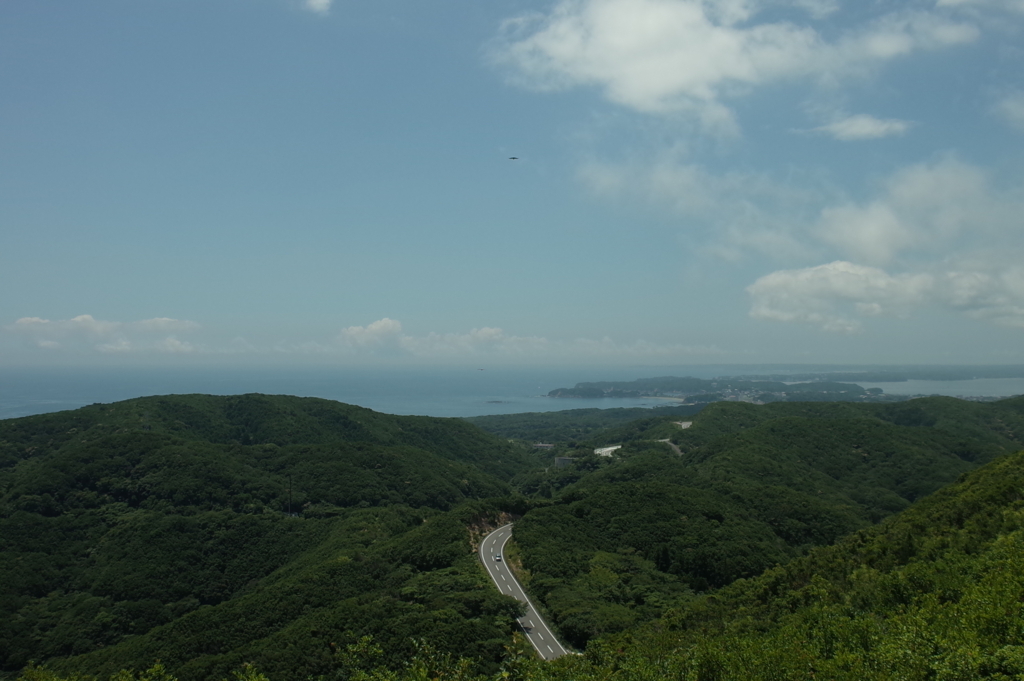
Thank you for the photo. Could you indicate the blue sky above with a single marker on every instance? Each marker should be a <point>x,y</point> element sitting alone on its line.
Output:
<point>327,182</point>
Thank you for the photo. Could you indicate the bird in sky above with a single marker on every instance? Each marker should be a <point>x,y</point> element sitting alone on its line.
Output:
<point>513,158</point>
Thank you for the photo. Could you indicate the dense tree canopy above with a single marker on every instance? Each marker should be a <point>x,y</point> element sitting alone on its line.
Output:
<point>293,538</point>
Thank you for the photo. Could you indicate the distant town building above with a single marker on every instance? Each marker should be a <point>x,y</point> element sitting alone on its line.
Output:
<point>562,461</point>
<point>606,451</point>
<point>543,445</point>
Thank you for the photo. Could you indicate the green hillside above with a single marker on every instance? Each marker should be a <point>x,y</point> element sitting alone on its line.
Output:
<point>744,546</point>
<point>573,425</point>
<point>172,512</point>
<point>393,574</point>
<point>936,592</point>
<point>933,593</point>
<point>626,538</point>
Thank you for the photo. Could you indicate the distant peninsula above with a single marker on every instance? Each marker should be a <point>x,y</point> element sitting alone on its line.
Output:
<point>895,374</point>
<point>813,384</point>
<point>698,390</point>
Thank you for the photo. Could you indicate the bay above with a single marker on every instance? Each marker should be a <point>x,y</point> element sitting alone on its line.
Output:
<point>450,392</point>
<point>975,387</point>
<point>427,391</point>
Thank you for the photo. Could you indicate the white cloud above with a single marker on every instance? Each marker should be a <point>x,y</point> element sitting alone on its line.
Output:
<point>818,9</point>
<point>386,334</point>
<point>1007,5</point>
<point>922,212</point>
<point>873,233</point>
<point>864,127</point>
<point>924,208</point>
<point>379,333</point>
<point>121,345</point>
<point>691,56</point>
<point>239,344</point>
<point>319,6</point>
<point>895,35</point>
<point>494,343</point>
<point>487,340</point>
<point>87,332</point>
<point>382,338</point>
<point>832,295</point>
<point>81,324</point>
<point>641,349</point>
<point>163,324</point>
<point>1011,109</point>
<point>90,325</point>
<point>726,214</point>
<point>953,236</point>
<point>837,295</point>
<point>994,295</point>
<point>957,239</point>
<point>175,346</point>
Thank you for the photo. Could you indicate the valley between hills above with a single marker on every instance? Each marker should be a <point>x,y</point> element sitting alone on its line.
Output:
<point>259,537</point>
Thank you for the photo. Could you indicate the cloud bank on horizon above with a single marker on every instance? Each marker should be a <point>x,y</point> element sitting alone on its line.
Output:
<point>87,333</point>
<point>697,180</point>
<point>381,340</point>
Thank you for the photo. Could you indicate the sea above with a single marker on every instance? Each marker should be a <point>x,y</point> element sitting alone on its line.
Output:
<point>448,391</point>
<point>433,391</point>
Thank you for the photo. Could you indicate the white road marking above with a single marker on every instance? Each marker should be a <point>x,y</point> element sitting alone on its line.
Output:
<point>494,568</point>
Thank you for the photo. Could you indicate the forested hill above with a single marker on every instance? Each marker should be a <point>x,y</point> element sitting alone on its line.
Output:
<point>118,518</point>
<point>746,488</point>
<point>158,529</point>
<point>575,425</point>
<point>935,592</point>
<point>257,419</point>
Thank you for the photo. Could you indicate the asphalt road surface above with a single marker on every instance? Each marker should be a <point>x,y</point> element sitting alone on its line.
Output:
<point>536,630</point>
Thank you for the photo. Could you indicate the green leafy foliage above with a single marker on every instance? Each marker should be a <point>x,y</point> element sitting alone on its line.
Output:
<point>753,487</point>
<point>171,514</point>
<point>573,424</point>
<point>934,593</point>
<point>158,529</point>
<point>394,574</point>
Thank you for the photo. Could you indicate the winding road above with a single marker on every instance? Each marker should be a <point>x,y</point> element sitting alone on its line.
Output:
<point>492,555</point>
